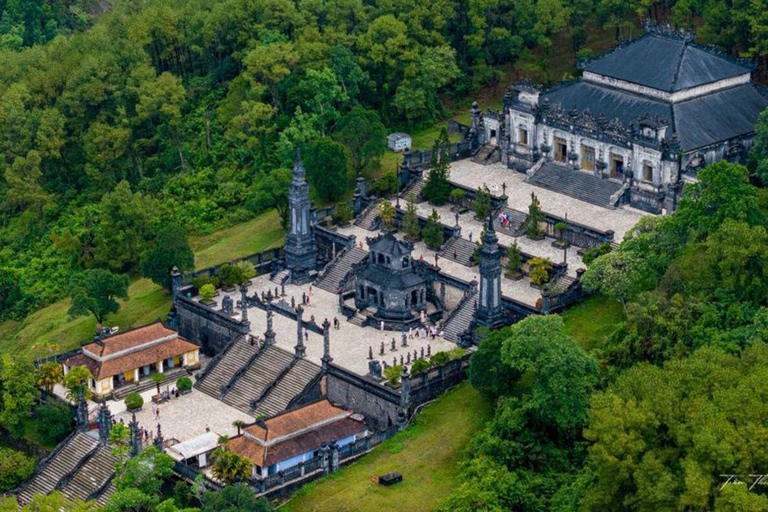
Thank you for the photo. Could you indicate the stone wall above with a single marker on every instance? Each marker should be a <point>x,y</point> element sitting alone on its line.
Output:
<point>431,384</point>
<point>209,328</point>
<point>380,405</point>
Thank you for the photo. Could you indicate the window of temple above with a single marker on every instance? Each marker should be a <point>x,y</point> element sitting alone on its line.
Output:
<point>380,259</point>
<point>588,158</point>
<point>561,149</point>
<point>647,172</point>
<point>405,261</point>
<point>522,136</point>
<point>617,165</point>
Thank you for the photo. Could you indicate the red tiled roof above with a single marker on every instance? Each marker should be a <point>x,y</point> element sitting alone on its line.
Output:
<point>296,420</point>
<point>131,338</point>
<point>265,456</point>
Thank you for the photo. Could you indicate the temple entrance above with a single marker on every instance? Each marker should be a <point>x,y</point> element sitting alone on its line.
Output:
<point>561,150</point>
<point>617,166</point>
<point>493,137</point>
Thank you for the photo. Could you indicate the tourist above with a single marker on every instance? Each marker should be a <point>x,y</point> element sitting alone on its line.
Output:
<point>306,335</point>
<point>310,289</point>
<point>455,258</point>
<point>381,325</point>
<point>207,428</point>
<point>470,235</point>
<point>421,257</point>
<point>410,333</point>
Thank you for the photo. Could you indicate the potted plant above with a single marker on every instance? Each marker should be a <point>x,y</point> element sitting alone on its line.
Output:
<point>560,228</point>
<point>457,198</point>
<point>514,261</point>
<point>133,401</point>
<point>539,271</point>
<point>207,292</point>
<point>184,385</point>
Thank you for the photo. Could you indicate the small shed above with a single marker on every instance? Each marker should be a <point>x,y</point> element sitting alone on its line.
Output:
<point>196,450</point>
<point>399,141</point>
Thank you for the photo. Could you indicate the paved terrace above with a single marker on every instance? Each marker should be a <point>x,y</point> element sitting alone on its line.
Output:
<point>349,344</point>
<point>469,174</point>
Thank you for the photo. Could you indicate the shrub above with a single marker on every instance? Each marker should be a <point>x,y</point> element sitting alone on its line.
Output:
<point>535,218</point>
<point>199,282</point>
<point>344,213</point>
<point>184,383</point>
<point>386,185</point>
<point>432,234</point>
<point>53,422</point>
<point>15,467</point>
<point>539,268</point>
<point>420,366</point>
<point>560,228</point>
<point>439,358</point>
<point>457,195</point>
<point>482,204</point>
<point>393,373</point>
<point>207,292</point>
<point>514,259</point>
<point>133,401</point>
<point>595,252</point>
<point>456,353</point>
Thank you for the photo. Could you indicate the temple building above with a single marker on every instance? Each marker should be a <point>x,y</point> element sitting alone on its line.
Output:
<point>388,282</point>
<point>296,437</point>
<point>132,356</point>
<point>300,243</point>
<point>646,116</point>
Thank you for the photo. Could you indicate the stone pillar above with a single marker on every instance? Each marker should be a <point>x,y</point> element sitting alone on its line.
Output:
<point>244,303</point>
<point>405,388</point>
<point>81,414</point>
<point>269,335</point>
<point>490,312</point>
<point>175,283</point>
<point>326,359</point>
<point>105,423</point>
<point>325,459</point>
<point>300,244</point>
<point>135,436</point>
<point>367,442</point>
<point>299,350</point>
<point>136,375</point>
<point>442,293</point>
<point>160,366</point>
<point>334,457</point>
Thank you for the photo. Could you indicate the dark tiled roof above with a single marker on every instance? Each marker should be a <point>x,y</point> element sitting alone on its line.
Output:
<point>718,116</point>
<point>390,278</point>
<point>664,63</point>
<point>624,106</point>
<point>388,244</point>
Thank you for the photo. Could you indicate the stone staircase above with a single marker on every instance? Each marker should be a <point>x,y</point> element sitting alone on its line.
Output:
<point>368,218</point>
<point>413,189</point>
<point>92,476</point>
<point>459,322</point>
<point>61,463</point>
<point>338,269</point>
<point>281,276</point>
<point>561,284</point>
<point>485,154</point>
<point>263,371</point>
<point>236,357</point>
<point>515,226</point>
<point>287,387</point>
<point>577,184</point>
<point>463,249</point>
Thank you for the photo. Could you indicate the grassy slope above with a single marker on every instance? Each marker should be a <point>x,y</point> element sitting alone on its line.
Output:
<point>427,455</point>
<point>592,321</point>
<point>50,329</point>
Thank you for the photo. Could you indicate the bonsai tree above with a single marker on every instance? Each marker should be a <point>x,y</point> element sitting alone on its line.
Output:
<point>433,231</point>
<point>133,401</point>
<point>387,213</point>
<point>411,220</point>
<point>184,383</point>
<point>420,366</point>
<point>437,189</point>
<point>539,268</point>
<point>457,196</point>
<point>158,379</point>
<point>534,219</point>
<point>482,204</point>
<point>344,213</point>
<point>560,228</point>
<point>514,260</point>
<point>207,292</point>
<point>392,374</point>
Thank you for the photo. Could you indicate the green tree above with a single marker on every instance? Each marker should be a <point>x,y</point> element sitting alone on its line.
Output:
<point>77,378</point>
<point>234,498</point>
<point>271,191</point>
<point>534,219</point>
<point>96,291</point>
<point>411,225</point>
<point>514,260</point>
<point>15,467</point>
<point>170,249</point>
<point>145,472</point>
<point>364,136</point>
<point>326,162</point>
<point>19,392</point>
<point>433,231</point>
<point>229,467</point>
<point>618,274</point>
<point>482,203</point>
<point>387,213</point>
<point>539,270</point>
<point>48,375</point>
<point>53,423</point>
<point>437,189</point>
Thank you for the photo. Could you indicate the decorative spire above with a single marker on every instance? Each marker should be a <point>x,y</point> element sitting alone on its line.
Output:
<point>299,174</point>
<point>105,422</point>
<point>135,435</point>
<point>159,439</point>
<point>299,350</point>
<point>269,335</point>
<point>244,302</point>
<point>82,410</point>
<point>490,237</point>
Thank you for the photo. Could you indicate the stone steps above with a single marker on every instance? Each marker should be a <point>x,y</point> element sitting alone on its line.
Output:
<point>560,284</point>
<point>264,370</point>
<point>414,189</point>
<point>236,356</point>
<point>338,269</point>
<point>368,218</point>
<point>76,449</point>
<point>287,388</point>
<point>577,184</point>
<point>515,227</point>
<point>460,321</point>
<point>281,276</point>
<point>92,476</point>
<point>459,250</point>
<point>485,154</point>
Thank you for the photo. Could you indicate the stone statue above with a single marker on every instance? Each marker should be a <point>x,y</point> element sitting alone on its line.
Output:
<point>227,305</point>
